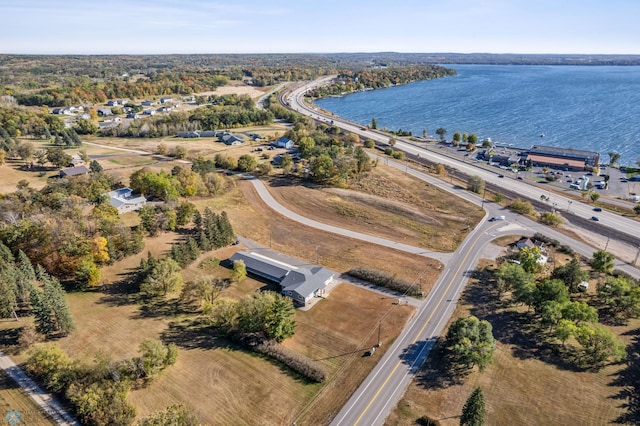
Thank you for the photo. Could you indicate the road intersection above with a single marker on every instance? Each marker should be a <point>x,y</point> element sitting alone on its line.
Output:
<point>379,393</point>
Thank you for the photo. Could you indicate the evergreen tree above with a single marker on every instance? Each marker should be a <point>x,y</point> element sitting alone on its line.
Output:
<point>41,312</point>
<point>473,412</point>
<point>54,296</point>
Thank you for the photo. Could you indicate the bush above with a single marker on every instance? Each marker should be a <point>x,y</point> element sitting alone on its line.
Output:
<point>522,207</point>
<point>398,155</point>
<point>551,219</point>
<point>388,151</point>
<point>384,279</point>
<point>369,143</point>
<point>294,360</point>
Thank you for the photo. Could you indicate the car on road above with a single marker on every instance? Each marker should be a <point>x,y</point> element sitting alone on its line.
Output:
<point>597,209</point>
<point>520,178</point>
<point>595,218</point>
<point>500,176</point>
<point>493,219</point>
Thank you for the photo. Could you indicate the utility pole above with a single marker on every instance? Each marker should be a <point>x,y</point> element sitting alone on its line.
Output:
<point>379,341</point>
<point>635,262</point>
<point>606,245</point>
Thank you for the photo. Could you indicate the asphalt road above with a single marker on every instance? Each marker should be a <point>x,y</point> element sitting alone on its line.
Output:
<point>379,393</point>
<point>607,219</point>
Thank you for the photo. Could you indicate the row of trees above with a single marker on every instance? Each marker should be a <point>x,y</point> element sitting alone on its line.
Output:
<point>376,78</point>
<point>181,182</point>
<point>27,290</point>
<point>211,117</point>
<point>562,317</point>
<point>98,392</point>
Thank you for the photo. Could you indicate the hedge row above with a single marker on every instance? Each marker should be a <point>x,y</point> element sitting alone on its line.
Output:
<point>386,280</point>
<point>292,359</point>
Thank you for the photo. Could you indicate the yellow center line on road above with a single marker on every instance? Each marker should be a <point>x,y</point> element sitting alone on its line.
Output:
<point>444,293</point>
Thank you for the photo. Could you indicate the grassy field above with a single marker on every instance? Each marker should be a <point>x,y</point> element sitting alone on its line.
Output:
<point>13,397</point>
<point>388,204</point>
<point>526,384</point>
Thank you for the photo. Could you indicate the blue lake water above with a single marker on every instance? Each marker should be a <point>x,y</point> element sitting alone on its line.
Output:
<point>582,107</point>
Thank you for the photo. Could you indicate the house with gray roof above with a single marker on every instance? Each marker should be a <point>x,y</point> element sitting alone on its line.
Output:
<point>298,283</point>
<point>124,200</point>
<point>73,171</point>
<point>231,139</point>
<point>284,143</point>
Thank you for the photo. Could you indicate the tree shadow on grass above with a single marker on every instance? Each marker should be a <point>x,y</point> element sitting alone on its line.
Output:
<point>521,330</point>
<point>190,334</point>
<point>629,380</point>
<point>438,372</point>
<point>123,292</point>
<point>9,340</point>
<point>160,308</point>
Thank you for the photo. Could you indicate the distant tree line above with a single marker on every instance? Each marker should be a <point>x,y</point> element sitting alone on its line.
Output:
<point>376,78</point>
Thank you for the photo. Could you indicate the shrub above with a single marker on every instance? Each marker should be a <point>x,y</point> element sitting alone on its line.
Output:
<point>369,143</point>
<point>294,360</point>
<point>551,219</point>
<point>522,207</point>
<point>388,151</point>
<point>384,279</point>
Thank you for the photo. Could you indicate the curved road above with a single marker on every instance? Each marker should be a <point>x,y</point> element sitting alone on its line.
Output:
<point>295,99</point>
<point>372,402</point>
<point>379,393</point>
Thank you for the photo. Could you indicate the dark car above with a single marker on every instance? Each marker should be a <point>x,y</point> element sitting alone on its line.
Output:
<point>597,209</point>
<point>520,178</point>
<point>595,218</point>
<point>500,176</point>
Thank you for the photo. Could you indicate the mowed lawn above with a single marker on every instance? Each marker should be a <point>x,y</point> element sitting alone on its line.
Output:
<point>228,385</point>
<point>12,397</point>
<point>526,384</point>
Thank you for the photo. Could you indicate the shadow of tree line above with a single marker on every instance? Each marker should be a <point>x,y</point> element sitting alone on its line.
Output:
<point>629,380</point>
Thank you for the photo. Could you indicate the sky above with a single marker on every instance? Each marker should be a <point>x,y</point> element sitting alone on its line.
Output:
<point>319,26</point>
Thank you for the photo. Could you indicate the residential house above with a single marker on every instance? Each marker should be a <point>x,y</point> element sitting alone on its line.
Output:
<point>149,112</point>
<point>194,134</point>
<point>165,100</point>
<point>76,160</point>
<point>147,103</point>
<point>208,133</point>
<point>300,284</point>
<point>124,200</point>
<point>133,115</point>
<point>230,139</point>
<point>284,143</point>
<point>103,112</point>
<point>73,171</point>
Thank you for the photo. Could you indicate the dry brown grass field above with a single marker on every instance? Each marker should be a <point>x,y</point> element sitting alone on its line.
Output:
<point>12,397</point>
<point>388,204</point>
<point>526,384</point>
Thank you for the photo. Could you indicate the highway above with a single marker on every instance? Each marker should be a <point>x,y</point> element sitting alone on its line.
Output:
<point>379,393</point>
<point>372,402</point>
<point>608,219</point>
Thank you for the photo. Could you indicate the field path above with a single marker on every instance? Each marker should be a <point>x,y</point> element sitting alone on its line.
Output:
<point>43,399</point>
